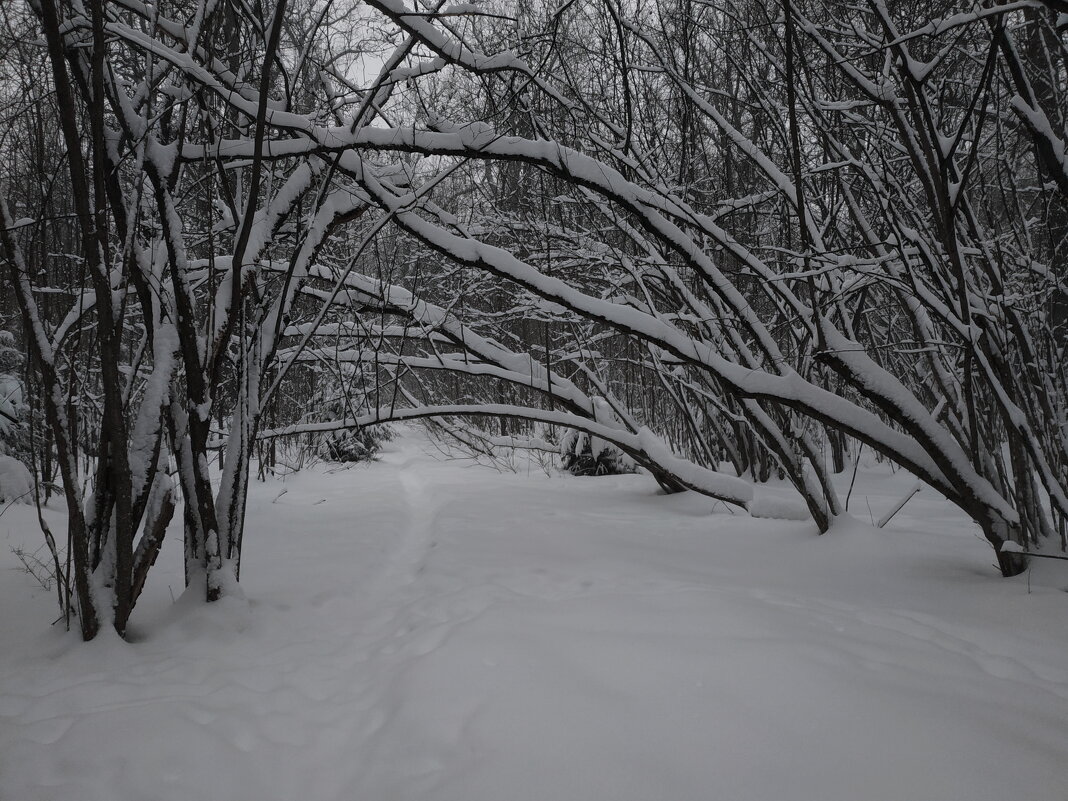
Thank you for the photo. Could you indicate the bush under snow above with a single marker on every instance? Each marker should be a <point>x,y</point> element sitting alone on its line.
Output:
<point>357,445</point>
<point>16,482</point>
<point>585,455</point>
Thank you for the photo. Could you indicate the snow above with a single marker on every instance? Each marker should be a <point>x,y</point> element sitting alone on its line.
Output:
<point>421,629</point>
<point>778,508</point>
<point>16,482</point>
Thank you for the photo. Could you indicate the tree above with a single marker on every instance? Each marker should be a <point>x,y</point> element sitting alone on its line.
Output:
<point>765,232</point>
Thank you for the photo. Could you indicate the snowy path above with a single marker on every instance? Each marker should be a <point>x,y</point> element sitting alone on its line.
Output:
<point>426,630</point>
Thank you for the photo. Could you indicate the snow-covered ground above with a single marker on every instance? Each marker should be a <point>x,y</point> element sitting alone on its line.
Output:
<point>418,629</point>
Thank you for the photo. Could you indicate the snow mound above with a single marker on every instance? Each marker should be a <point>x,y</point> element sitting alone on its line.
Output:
<point>776,508</point>
<point>16,483</point>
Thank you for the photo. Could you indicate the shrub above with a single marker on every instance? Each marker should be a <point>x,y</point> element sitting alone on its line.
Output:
<point>357,445</point>
<point>584,455</point>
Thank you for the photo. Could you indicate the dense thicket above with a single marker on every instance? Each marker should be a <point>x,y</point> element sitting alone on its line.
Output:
<point>696,232</point>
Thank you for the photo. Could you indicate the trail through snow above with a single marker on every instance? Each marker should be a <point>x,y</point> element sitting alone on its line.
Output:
<point>417,629</point>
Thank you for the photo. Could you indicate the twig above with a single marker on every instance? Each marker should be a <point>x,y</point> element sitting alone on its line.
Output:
<point>900,505</point>
<point>1042,555</point>
<point>853,480</point>
<point>13,501</point>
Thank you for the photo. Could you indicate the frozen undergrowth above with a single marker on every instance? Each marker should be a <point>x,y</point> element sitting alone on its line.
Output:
<point>414,629</point>
<point>16,481</point>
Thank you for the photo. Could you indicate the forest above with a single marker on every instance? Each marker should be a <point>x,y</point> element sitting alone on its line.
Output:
<point>709,284</point>
<point>722,241</point>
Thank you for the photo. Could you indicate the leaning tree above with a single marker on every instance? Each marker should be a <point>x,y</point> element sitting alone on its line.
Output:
<point>761,232</point>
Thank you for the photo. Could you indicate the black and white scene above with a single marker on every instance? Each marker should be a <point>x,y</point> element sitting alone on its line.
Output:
<point>533,400</point>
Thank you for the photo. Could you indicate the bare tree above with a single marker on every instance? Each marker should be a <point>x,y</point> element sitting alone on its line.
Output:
<point>763,232</point>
